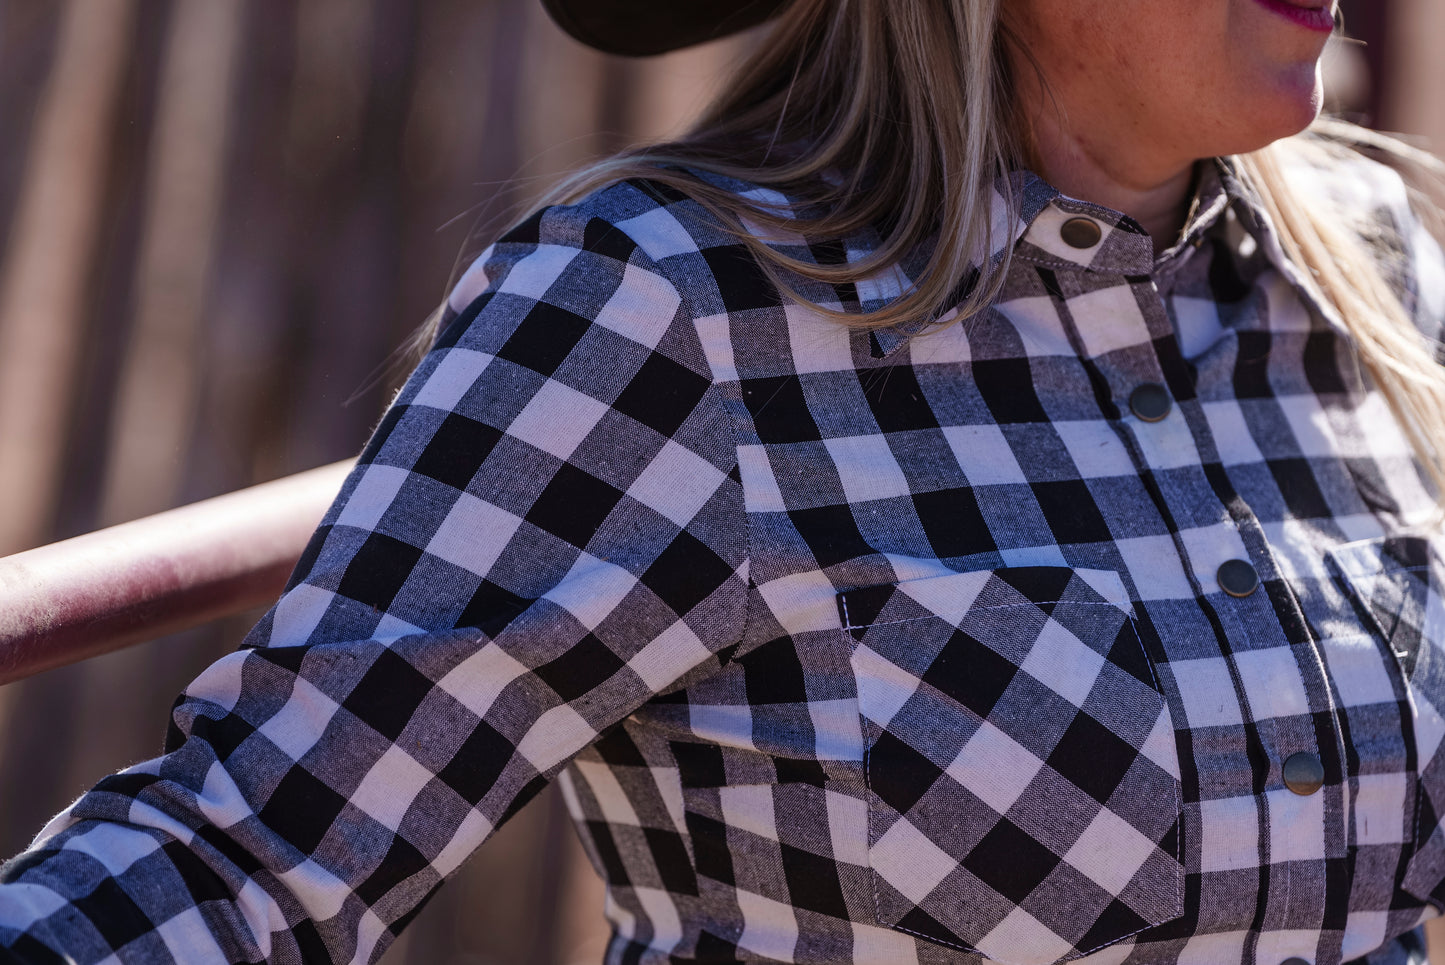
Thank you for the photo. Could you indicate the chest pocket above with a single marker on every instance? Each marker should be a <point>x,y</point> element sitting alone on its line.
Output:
<point>1398,583</point>
<point>1022,771</point>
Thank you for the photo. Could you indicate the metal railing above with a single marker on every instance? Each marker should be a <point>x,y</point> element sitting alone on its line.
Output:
<point>85,596</point>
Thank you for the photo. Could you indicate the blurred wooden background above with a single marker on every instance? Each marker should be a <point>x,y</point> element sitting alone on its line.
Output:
<point>219,220</point>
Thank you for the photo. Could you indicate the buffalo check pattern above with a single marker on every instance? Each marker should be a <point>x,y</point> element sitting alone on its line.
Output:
<point>902,646</point>
<point>1018,752</point>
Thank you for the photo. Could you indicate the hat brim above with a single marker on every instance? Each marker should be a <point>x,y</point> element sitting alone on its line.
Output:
<point>641,28</point>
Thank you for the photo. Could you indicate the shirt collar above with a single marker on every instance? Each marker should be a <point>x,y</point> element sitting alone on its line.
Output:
<point>1037,234</point>
<point>1251,215</point>
<point>1123,246</point>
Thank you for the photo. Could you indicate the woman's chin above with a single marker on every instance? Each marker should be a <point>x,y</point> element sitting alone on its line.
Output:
<point>1286,110</point>
<point>1300,95</point>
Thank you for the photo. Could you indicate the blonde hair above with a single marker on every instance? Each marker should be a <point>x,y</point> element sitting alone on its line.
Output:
<point>832,111</point>
<point>898,117</point>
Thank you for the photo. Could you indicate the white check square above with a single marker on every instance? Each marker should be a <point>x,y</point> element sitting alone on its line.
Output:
<point>557,419</point>
<point>867,468</point>
<point>1095,448</point>
<point>1232,439</point>
<point>473,535</point>
<point>995,767</point>
<point>299,723</point>
<point>372,496</point>
<point>1120,323</point>
<point>1380,815</point>
<point>642,308</point>
<point>1296,826</point>
<point>457,372</point>
<point>750,808</point>
<point>910,862</point>
<point>390,787</point>
<point>1110,851</point>
<point>984,455</point>
<point>1036,320</point>
<point>1229,839</point>
<point>1205,687</point>
<point>1062,662</point>
<point>533,274</point>
<point>1272,682</point>
<point>1153,563</point>
<point>676,483</point>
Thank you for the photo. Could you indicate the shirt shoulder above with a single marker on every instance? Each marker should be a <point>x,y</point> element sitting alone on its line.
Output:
<point>642,225</point>
<point>1376,203</point>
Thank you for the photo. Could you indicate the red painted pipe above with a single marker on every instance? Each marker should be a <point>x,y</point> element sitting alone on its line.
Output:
<point>109,589</point>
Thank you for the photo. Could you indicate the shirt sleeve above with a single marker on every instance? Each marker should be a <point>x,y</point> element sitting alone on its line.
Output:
<point>545,531</point>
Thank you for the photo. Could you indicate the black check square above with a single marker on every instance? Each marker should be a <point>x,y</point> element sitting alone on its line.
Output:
<point>662,394</point>
<point>899,774</point>
<point>388,695</point>
<point>779,410</point>
<point>685,573</point>
<point>897,400</point>
<point>1006,386</point>
<point>1010,861</point>
<point>583,668</point>
<point>573,505</point>
<point>971,673</point>
<point>457,450</point>
<point>301,809</point>
<point>544,338</point>
<point>374,576</point>
<point>1093,758</point>
<point>740,282</point>
<point>478,763</point>
<point>831,533</point>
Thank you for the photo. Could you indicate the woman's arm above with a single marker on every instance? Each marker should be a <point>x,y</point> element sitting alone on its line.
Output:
<point>544,531</point>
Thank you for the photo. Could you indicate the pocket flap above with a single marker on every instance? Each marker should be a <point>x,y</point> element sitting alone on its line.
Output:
<point>951,596</point>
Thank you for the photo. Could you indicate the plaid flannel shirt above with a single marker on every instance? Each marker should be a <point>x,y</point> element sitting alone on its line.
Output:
<point>845,646</point>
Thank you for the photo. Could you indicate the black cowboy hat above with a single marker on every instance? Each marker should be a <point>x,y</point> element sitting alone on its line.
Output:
<point>638,28</point>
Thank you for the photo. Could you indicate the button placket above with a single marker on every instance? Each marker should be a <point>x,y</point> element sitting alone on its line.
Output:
<point>1220,547</point>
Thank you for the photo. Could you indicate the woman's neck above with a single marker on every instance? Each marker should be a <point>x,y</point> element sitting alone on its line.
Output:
<point>1157,196</point>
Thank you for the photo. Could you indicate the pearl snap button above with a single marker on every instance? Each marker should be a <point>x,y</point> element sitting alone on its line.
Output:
<point>1150,402</point>
<point>1081,232</point>
<point>1237,578</point>
<point>1303,773</point>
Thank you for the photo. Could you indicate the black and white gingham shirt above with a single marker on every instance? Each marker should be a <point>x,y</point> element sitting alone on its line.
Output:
<point>845,647</point>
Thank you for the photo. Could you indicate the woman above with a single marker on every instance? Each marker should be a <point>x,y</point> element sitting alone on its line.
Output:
<point>969,501</point>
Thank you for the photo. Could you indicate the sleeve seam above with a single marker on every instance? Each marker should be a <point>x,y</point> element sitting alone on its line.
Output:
<point>686,302</point>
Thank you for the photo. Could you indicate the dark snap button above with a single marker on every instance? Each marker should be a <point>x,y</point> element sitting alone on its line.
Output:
<point>1150,402</point>
<point>1237,578</point>
<point>1081,232</point>
<point>1303,773</point>
<point>1296,961</point>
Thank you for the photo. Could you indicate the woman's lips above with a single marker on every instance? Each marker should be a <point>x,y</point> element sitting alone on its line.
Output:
<point>1309,14</point>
